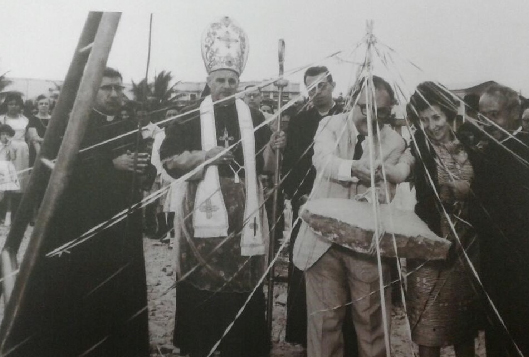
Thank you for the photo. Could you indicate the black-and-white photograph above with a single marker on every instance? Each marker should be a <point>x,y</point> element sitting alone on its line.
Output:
<point>301,178</point>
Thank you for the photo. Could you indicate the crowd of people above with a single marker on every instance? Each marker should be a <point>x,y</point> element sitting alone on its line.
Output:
<point>216,161</point>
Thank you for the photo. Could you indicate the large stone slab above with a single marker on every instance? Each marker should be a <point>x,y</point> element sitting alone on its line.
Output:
<point>351,224</point>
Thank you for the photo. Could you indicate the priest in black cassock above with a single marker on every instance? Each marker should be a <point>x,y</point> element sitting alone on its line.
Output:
<point>92,299</point>
<point>221,221</point>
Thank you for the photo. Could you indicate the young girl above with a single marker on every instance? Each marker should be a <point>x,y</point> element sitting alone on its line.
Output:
<point>8,175</point>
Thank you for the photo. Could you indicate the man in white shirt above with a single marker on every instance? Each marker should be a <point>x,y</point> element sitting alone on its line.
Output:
<point>341,159</point>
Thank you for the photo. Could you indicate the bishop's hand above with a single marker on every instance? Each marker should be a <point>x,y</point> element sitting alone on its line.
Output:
<point>224,159</point>
<point>125,162</point>
<point>278,140</point>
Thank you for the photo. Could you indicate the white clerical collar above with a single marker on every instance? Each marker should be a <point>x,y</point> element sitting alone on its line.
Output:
<point>108,118</point>
<point>324,114</point>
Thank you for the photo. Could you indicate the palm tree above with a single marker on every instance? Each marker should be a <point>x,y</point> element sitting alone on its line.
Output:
<point>4,82</point>
<point>141,91</point>
<point>158,94</point>
<point>162,93</point>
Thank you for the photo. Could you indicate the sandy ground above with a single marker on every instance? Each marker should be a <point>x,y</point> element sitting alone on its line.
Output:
<point>160,278</point>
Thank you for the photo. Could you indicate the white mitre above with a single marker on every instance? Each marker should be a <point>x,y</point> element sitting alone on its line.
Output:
<point>225,46</point>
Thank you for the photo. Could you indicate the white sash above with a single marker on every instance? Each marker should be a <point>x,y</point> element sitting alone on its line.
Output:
<point>210,218</point>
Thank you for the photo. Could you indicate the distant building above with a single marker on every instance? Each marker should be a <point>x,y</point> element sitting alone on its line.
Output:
<point>31,88</point>
<point>189,92</point>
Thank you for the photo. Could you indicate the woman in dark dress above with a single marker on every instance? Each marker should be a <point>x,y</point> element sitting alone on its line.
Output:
<point>37,127</point>
<point>441,298</point>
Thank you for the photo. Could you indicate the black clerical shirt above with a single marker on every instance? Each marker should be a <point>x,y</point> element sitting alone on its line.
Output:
<point>185,135</point>
<point>297,169</point>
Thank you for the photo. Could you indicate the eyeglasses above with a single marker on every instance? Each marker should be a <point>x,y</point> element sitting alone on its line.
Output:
<point>110,87</point>
<point>491,114</point>
<point>320,86</point>
<point>382,112</point>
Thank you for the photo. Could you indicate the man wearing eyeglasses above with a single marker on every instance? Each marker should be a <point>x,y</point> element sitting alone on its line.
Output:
<point>93,297</point>
<point>104,124</point>
<point>253,97</point>
<point>299,175</point>
<point>501,218</point>
<point>334,275</point>
<point>109,97</point>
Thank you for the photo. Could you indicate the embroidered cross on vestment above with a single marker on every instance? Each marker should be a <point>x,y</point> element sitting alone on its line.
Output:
<point>226,137</point>
<point>208,208</point>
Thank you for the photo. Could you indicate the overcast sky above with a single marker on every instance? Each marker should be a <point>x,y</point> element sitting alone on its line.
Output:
<point>457,42</point>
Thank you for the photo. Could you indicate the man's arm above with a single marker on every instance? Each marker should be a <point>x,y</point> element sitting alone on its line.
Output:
<point>325,158</point>
<point>399,162</point>
<point>126,162</point>
<point>181,150</point>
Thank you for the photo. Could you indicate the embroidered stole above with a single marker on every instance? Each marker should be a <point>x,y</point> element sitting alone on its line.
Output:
<point>210,218</point>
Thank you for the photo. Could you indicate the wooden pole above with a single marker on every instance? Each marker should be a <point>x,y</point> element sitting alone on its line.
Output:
<point>50,146</point>
<point>271,248</point>
<point>60,176</point>
<point>371,107</point>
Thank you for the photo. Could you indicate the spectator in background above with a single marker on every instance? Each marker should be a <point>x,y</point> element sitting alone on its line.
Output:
<point>253,96</point>
<point>254,99</point>
<point>7,153</point>
<point>11,109</point>
<point>37,127</point>
<point>8,175</point>
<point>524,123</point>
<point>148,128</point>
<point>171,112</point>
<point>265,108</point>
<point>127,112</point>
